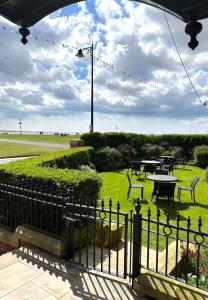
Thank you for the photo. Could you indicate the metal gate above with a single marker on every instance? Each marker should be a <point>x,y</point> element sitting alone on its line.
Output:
<point>98,238</point>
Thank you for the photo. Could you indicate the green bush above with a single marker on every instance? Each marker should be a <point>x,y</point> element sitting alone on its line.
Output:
<point>177,152</point>
<point>107,159</point>
<point>43,174</point>
<point>128,154</point>
<point>152,150</point>
<point>95,139</point>
<point>113,140</point>
<point>201,156</point>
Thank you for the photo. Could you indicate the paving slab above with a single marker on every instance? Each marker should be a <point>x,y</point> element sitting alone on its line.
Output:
<point>32,274</point>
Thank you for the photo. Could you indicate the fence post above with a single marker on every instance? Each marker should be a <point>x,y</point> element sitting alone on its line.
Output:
<point>137,242</point>
<point>69,238</point>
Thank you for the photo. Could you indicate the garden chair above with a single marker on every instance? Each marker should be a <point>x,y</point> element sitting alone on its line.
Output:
<point>134,186</point>
<point>161,172</point>
<point>164,189</point>
<point>170,168</point>
<point>191,188</point>
<point>149,169</point>
<point>135,167</point>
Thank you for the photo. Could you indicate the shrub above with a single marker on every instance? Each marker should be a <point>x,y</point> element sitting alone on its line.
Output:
<point>96,140</point>
<point>37,173</point>
<point>152,150</point>
<point>201,156</point>
<point>128,154</point>
<point>177,152</point>
<point>107,159</point>
<point>113,140</point>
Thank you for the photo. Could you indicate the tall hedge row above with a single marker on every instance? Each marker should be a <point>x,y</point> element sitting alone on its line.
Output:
<point>57,172</point>
<point>186,141</point>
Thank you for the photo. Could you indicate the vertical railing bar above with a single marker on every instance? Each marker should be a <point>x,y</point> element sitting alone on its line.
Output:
<point>117,239</point>
<point>177,238</point>
<point>130,240</point>
<point>187,248</point>
<point>166,246</point>
<point>94,236</point>
<point>87,245</point>
<point>109,233</point>
<point>148,236</point>
<point>157,237</point>
<point>125,245</point>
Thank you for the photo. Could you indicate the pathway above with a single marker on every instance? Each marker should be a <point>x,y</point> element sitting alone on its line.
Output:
<point>32,274</point>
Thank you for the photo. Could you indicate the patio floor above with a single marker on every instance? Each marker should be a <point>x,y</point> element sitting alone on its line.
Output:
<point>33,274</point>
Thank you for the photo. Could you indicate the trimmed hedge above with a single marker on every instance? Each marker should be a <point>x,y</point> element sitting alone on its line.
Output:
<point>53,172</point>
<point>201,156</point>
<point>187,142</point>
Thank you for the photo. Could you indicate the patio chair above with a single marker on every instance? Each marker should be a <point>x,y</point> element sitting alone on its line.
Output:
<point>161,172</point>
<point>134,186</point>
<point>170,167</point>
<point>135,167</point>
<point>164,189</point>
<point>149,169</point>
<point>191,188</point>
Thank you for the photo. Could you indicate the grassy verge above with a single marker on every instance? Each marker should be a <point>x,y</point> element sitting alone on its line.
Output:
<point>55,139</point>
<point>11,150</point>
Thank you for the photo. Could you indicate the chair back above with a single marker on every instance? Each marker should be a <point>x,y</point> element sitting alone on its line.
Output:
<point>129,179</point>
<point>166,189</point>
<point>149,168</point>
<point>170,168</point>
<point>161,172</point>
<point>194,181</point>
<point>135,165</point>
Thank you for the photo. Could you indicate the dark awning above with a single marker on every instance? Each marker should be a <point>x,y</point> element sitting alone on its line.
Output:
<point>26,13</point>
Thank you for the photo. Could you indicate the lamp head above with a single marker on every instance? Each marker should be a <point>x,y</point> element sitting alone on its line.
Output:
<point>80,53</point>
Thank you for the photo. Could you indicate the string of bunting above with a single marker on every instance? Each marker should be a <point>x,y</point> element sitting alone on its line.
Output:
<point>112,67</point>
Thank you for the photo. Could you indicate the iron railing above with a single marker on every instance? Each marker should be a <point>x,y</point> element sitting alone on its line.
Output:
<point>104,233</point>
<point>170,249</point>
<point>111,241</point>
<point>44,211</point>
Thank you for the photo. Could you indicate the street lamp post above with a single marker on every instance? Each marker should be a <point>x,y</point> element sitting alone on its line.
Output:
<point>80,54</point>
<point>20,125</point>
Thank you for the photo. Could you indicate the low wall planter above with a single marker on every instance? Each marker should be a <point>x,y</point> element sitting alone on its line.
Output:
<point>76,143</point>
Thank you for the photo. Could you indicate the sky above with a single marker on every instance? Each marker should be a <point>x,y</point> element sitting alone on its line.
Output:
<point>139,83</point>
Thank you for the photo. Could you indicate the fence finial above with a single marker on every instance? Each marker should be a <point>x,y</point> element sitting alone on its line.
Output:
<point>199,223</point>
<point>188,221</point>
<point>137,207</point>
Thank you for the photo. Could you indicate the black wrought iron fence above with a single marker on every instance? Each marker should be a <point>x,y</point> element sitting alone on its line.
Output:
<point>24,206</point>
<point>170,249</point>
<point>110,240</point>
<point>103,231</point>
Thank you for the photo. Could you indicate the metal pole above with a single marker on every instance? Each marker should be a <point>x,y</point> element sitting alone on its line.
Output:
<point>92,103</point>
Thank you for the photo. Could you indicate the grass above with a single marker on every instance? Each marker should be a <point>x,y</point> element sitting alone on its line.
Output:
<point>11,149</point>
<point>115,186</point>
<point>55,139</point>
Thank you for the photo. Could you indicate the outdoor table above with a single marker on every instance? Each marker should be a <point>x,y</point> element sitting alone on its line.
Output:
<point>150,162</point>
<point>163,178</point>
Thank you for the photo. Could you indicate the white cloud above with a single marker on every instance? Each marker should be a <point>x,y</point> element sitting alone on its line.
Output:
<point>45,78</point>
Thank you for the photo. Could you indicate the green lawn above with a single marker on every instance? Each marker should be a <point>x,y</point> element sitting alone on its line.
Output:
<point>56,139</point>
<point>11,149</point>
<point>115,186</point>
